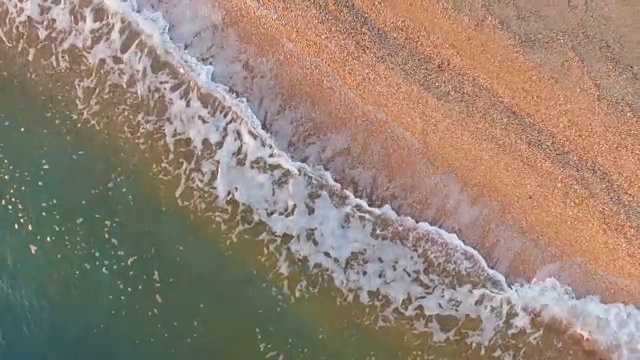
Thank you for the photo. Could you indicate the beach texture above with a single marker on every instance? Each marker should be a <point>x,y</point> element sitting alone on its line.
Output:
<point>514,124</point>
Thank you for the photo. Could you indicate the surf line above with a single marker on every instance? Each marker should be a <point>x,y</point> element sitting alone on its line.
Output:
<point>302,186</point>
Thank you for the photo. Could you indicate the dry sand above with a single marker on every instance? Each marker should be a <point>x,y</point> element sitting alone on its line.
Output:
<point>515,124</point>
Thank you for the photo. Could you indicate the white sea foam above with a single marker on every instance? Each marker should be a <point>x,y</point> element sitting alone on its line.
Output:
<point>412,272</point>
<point>301,129</point>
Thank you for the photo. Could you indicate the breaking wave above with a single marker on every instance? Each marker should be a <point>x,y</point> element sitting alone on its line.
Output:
<point>127,75</point>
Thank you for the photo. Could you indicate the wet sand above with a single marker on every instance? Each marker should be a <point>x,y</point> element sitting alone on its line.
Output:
<point>515,126</point>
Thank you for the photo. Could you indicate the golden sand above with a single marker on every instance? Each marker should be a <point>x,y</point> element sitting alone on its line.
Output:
<point>533,111</point>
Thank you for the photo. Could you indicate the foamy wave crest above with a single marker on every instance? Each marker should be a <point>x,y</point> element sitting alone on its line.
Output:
<point>412,274</point>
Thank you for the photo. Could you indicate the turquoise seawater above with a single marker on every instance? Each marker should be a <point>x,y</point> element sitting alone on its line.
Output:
<point>96,264</point>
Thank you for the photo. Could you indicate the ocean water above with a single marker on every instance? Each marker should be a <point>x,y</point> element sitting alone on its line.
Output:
<point>96,265</point>
<point>145,213</point>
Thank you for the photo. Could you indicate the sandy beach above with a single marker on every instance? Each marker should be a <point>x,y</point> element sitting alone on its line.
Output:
<point>515,126</point>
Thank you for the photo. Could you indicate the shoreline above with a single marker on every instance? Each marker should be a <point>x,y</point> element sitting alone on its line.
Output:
<point>529,213</point>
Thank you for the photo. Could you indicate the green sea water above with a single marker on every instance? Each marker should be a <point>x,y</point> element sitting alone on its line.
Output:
<point>96,263</point>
